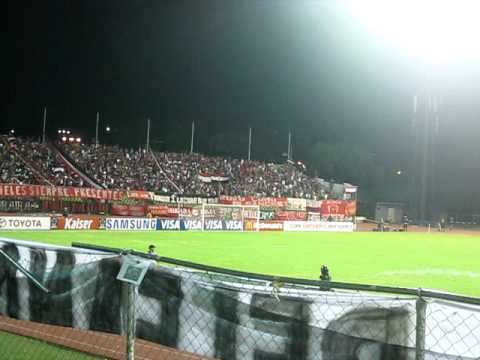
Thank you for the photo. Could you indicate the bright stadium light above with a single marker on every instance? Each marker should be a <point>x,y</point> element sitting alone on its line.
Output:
<point>434,31</point>
<point>64,138</point>
<point>78,140</point>
<point>107,129</point>
<point>71,139</point>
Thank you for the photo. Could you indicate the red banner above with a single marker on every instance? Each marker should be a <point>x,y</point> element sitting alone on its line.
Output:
<point>163,211</point>
<point>79,223</point>
<point>335,208</point>
<point>128,210</point>
<point>36,191</point>
<point>251,200</point>
<point>290,215</point>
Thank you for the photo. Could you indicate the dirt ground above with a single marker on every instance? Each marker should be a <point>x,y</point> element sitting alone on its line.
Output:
<point>365,227</point>
<point>105,345</point>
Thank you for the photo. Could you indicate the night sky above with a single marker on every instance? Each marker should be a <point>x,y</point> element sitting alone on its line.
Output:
<point>305,66</point>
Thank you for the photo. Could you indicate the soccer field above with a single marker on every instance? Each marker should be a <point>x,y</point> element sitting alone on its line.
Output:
<point>447,262</point>
<point>21,348</point>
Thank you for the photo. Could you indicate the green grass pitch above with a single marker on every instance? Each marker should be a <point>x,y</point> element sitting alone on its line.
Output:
<point>22,348</point>
<point>446,262</point>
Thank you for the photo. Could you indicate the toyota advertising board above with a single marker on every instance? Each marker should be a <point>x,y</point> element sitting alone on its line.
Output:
<point>24,223</point>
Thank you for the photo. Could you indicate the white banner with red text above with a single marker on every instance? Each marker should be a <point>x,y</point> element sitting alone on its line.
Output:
<point>318,226</point>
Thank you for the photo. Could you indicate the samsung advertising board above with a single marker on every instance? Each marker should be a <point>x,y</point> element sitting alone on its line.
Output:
<point>130,224</point>
<point>24,223</point>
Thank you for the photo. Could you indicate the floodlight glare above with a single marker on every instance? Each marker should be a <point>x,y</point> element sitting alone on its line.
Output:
<point>434,31</point>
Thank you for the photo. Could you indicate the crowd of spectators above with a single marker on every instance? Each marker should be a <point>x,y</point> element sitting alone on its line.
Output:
<point>112,167</point>
<point>191,174</point>
<point>41,159</point>
<point>12,168</point>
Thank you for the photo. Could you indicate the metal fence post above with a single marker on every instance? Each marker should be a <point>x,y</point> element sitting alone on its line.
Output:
<point>131,321</point>
<point>421,307</point>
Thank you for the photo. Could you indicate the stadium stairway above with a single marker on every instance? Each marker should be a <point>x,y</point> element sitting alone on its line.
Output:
<point>73,167</point>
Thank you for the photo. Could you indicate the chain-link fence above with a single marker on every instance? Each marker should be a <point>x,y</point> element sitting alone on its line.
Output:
<point>63,303</point>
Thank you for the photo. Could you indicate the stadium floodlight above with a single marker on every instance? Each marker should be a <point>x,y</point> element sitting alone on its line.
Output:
<point>107,129</point>
<point>78,140</point>
<point>435,32</point>
<point>59,131</point>
<point>12,131</point>
<point>68,132</point>
<point>71,139</point>
<point>64,138</point>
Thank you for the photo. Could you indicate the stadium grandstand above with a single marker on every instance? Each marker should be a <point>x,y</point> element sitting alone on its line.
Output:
<point>27,161</point>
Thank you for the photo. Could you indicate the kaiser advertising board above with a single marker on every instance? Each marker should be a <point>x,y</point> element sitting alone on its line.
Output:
<point>318,226</point>
<point>24,223</point>
<point>130,224</point>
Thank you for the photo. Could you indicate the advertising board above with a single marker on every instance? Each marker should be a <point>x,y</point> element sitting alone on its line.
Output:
<point>223,225</point>
<point>318,226</point>
<point>24,223</point>
<point>79,223</point>
<point>251,225</point>
<point>145,224</point>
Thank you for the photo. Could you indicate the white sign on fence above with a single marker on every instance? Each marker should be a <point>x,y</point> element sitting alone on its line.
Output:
<point>24,223</point>
<point>325,226</point>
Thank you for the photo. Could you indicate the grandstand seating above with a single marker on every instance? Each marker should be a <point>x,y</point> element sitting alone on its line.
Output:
<point>112,167</point>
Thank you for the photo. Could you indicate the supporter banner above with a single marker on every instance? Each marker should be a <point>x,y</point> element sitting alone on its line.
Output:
<point>130,224</point>
<point>314,204</point>
<point>296,204</point>
<point>267,215</point>
<point>161,198</point>
<point>20,206</point>
<point>335,208</point>
<point>34,191</point>
<point>251,225</point>
<point>24,223</point>
<point>225,225</point>
<point>162,211</point>
<point>192,311</point>
<point>320,226</point>
<point>208,178</point>
<point>128,210</point>
<point>79,223</point>
<point>251,200</point>
<point>291,215</point>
